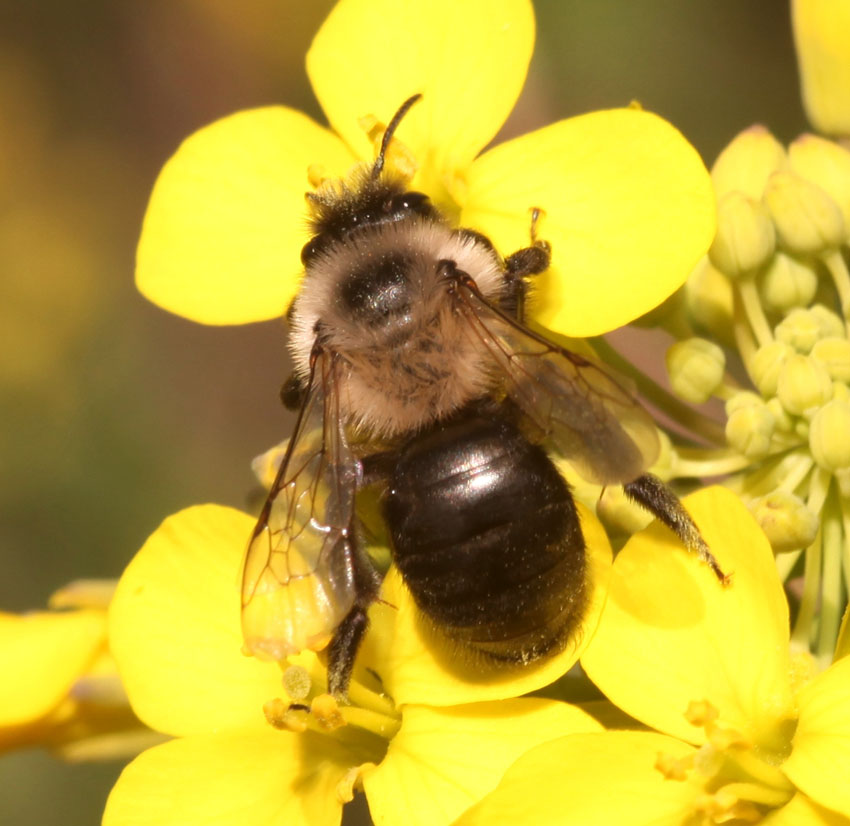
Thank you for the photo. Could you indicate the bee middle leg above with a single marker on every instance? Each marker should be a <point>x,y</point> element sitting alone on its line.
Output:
<point>531,260</point>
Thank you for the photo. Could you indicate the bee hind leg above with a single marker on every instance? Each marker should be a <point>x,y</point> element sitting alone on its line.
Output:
<point>651,493</point>
<point>349,634</point>
<point>343,650</point>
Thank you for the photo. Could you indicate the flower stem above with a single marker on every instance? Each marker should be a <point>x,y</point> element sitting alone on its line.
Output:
<point>841,278</point>
<point>666,402</point>
<point>700,462</point>
<point>831,587</point>
<point>753,309</point>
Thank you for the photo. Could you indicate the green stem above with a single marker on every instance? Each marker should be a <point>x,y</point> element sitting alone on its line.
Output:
<point>743,334</point>
<point>831,584</point>
<point>802,635</point>
<point>755,314</point>
<point>698,463</point>
<point>677,410</point>
<point>841,278</point>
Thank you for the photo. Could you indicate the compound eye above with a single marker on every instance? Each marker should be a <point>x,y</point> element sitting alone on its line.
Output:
<point>411,202</point>
<point>311,250</point>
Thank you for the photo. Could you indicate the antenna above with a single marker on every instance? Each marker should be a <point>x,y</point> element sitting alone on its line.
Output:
<point>390,131</point>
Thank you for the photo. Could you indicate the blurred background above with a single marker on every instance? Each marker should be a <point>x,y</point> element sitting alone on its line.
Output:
<point>115,413</point>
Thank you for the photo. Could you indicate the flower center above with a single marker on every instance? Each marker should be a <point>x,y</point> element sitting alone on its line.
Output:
<point>740,782</point>
<point>363,727</point>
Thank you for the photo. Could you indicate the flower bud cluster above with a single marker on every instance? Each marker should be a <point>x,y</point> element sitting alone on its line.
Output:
<point>775,285</point>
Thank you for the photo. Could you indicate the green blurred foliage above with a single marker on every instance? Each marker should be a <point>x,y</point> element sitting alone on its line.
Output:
<point>115,413</point>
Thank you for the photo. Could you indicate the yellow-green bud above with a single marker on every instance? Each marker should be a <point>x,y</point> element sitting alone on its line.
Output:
<point>696,368</point>
<point>786,520</point>
<point>829,435</point>
<point>807,220</point>
<point>787,283</point>
<point>745,238</point>
<point>708,294</point>
<point>745,398</point>
<point>826,164</point>
<point>799,329</point>
<point>617,511</point>
<point>663,466</point>
<point>747,162</point>
<point>803,385</point>
<point>831,326</point>
<point>784,422</point>
<point>749,430</point>
<point>766,364</point>
<point>840,391</point>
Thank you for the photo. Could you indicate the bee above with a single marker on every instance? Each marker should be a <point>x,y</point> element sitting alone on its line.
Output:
<point>415,370</point>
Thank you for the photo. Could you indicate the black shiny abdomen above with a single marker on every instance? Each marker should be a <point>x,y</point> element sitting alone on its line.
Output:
<point>487,538</point>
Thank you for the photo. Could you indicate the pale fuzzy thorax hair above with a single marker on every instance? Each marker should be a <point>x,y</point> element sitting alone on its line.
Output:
<point>388,389</point>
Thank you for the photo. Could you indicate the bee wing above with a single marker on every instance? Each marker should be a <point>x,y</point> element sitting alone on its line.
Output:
<point>298,579</point>
<point>569,401</point>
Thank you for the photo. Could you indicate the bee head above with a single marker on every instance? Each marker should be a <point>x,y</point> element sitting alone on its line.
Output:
<point>375,196</point>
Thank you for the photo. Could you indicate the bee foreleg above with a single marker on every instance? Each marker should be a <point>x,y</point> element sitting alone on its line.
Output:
<point>528,261</point>
<point>651,493</point>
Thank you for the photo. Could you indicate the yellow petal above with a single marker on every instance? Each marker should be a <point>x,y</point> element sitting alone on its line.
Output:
<point>629,210</point>
<point>801,811</point>
<point>444,760</point>
<point>820,757</point>
<point>419,665</point>
<point>592,780</point>
<point>671,634</point>
<point>272,778</point>
<point>174,628</point>
<point>468,59</point>
<point>43,654</point>
<point>822,37</point>
<point>225,224</point>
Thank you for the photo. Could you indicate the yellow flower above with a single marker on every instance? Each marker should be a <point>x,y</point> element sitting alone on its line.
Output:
<point>744,732</point>
<point>427,733</point>
<point>62,689</point>
<point>627,202</point>
<point>822,37</point>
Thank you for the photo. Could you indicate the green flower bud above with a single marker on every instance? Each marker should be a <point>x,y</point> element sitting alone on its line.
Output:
<point>803,385</point>
<point>799,329</point>
<point>787,283</point>
<point>801,428</point>
<point>784,422</point>
<point>617,511</point>
<point>663,466</point>
<point>831,325</point>
<point>826,164</point>
<point>745,238</point>
<point>807,220</point>
<point>786,520</point>
<point>696,368</point>
<point>766,364</point>
<point>745,398</point>
<point>840,391</point>
<point>708,296</point>
<point>749,430</point>
<point>747,162</point>
<point>829,436</point>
